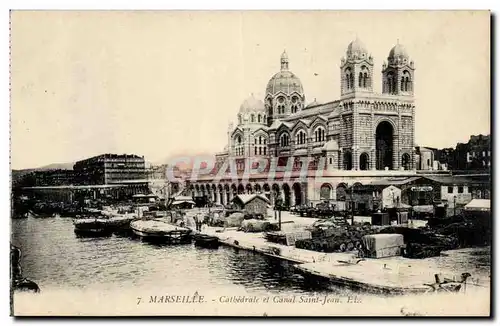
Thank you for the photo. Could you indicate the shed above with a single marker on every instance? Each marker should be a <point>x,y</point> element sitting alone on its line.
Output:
<point>252,204</point>
<point>182,202</point>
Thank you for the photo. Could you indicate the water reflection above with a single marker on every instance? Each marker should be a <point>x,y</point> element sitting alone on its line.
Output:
<point>54,257</point>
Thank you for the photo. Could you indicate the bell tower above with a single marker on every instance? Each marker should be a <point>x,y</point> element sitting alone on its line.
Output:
<point>398,72</point>
<point>356,69</point>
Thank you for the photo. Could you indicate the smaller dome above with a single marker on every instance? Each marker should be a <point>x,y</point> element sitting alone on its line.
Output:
<point>252,104</point>
<point>330,146</point>
<point>356,47</point>
<point>398,51</point>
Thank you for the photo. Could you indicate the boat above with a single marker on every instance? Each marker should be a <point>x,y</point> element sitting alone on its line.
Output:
<point>92,227</point>
<point>105,225</point>
<point>159,231</point>
<point>206,241</point>
<point>120,224</point>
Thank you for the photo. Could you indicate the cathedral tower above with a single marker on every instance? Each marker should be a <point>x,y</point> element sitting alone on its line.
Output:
<point>398,72</point>
<point>356,69</point>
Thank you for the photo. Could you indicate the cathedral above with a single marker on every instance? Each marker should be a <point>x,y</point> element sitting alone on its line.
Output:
<point>363,134</point>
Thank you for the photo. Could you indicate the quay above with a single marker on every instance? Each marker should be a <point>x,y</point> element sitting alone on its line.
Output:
<point>393,275</point>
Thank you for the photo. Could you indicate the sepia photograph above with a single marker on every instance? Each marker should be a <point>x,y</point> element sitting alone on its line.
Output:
<point>306,163</point>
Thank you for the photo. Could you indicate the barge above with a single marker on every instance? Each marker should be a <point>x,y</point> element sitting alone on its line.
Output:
<point>159,231</point>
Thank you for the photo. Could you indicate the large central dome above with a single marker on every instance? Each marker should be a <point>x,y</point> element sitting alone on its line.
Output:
<point>284,81</point>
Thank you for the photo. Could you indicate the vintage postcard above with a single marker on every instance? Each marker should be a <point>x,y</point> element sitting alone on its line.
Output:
<point>250,163</point>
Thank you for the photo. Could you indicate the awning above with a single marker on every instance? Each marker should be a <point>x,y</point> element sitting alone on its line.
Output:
<point>478,205</point>
<point>178,202</point>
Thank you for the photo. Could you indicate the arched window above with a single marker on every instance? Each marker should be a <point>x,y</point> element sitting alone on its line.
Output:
<point>258,118</point>
<point>238,140</point>
<point>319,134</point>
<point>255,150</point>
<point>281,105</point>
<point>239,119</point>
<point>265,141</point>
<point>295,104</point>
<point>284,140</point>
<point>391,83</point>
<point>364,161</point>
<point>301,137</point>
<point>406,82</point>
<point>260,150</point>
<point>349,78</point>
<point>405,161</point>
<point>347,161</point>
<point>252,118</point>
<point>365,80</point>
<point>260,140</point>
<point>265,150</point>
<point>360,81</point>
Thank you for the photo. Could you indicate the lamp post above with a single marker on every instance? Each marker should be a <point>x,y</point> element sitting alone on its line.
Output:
<point>352,204</point>
<point>277,207</point>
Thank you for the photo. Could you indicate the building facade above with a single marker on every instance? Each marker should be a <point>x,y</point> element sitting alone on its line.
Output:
<point>44,178</point>
<point>361,135</point>
<point>109,169</point>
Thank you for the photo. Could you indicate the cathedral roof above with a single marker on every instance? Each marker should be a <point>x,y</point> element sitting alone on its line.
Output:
<point>252,104</point>
<point>312,104</point>
<point>284,81</point>
<point>277,123</point>
<point>398,51</point>
<point>356,47</point>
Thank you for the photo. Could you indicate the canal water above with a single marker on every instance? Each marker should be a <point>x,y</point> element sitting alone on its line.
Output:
<point>117,275</point>
<point>55,258</point>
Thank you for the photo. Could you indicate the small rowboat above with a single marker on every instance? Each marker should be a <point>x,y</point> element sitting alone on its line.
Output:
<point>206,241</point>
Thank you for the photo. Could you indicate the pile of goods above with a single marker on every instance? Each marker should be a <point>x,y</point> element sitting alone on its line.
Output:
<point>321,210</point>
<point>288,238</point>
<point>443,234</point>
<point>256,216</point>
<point>234,220</point>
<point>383,245</point>
<point>328,236</point>
<point>256,226</point>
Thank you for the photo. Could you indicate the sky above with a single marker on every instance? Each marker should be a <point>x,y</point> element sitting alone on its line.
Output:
<point>161,84</point>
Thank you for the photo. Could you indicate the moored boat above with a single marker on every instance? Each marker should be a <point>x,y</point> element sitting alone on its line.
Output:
<point>105,225</point>
<point>159,231</point>
<point>92,227</point>
<point>206,241</point>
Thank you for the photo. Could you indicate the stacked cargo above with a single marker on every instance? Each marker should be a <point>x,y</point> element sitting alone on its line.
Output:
<point>336,238</point>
